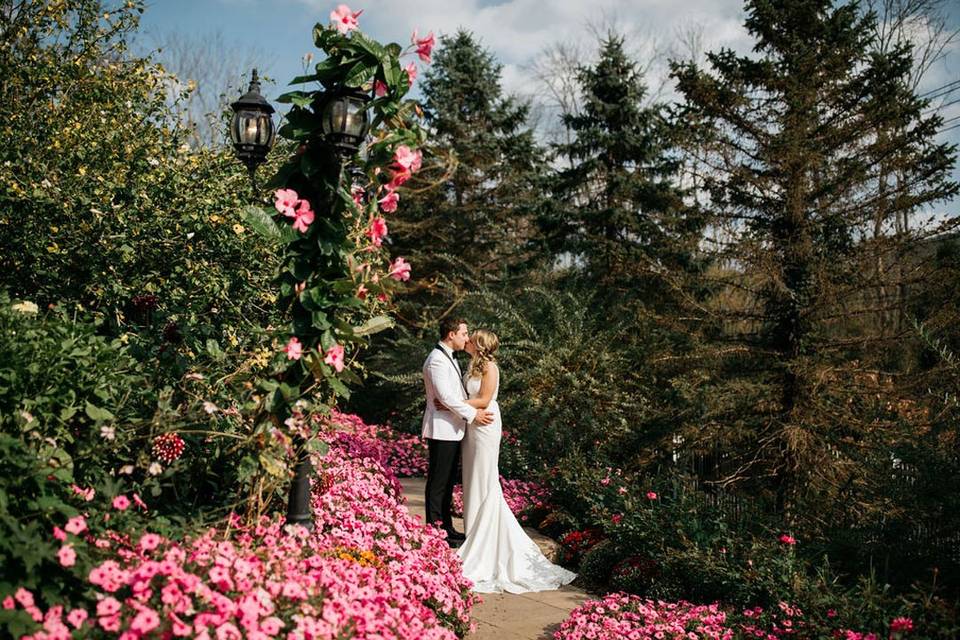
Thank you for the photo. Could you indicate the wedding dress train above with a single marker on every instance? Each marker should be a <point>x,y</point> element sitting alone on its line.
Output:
<point>497,554</point>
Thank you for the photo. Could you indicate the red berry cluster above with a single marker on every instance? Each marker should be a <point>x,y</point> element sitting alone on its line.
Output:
<point>168,447</point>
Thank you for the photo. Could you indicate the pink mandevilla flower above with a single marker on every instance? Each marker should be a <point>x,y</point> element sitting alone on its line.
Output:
<point>411,70</point>
<point>400,269</point>
<point>334,357</point>
<point>303,216</point>
<point>424,45</point>
<point>294,349</point>
<point>76,525</point>
<point>408,158</point>
<point>389,202</point>
<point>286,201</point>
<point>343,19</point>
<point>379,88</point>
<point>121,503</point>
<point>377,230</point>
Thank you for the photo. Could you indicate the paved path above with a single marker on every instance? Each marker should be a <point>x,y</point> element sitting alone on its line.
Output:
<point>507,616</point>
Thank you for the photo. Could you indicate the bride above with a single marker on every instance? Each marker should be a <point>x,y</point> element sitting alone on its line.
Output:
<point>497,554</point>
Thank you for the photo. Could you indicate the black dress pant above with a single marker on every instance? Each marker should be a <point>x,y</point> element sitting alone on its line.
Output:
<point>441,477</point>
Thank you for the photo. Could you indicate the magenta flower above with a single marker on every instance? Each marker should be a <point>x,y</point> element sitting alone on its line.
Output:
<point>389,202</point>
<point>377,230</point>
<point>294,349</point>
<point>59,534</point>
<point>651,495</point>
<point>616,518</point>
<point>400,269</point>
<point>901,625</point>
<point>76,525</point>
<point>121,503</point>
<point>67,556</point>
<point>303,216</point>
<point>424,45</point>
<point>379,88</point>
<point>286,201</point>
<point>787,539</point>
<point>344,20</point>
<point>334,357</point>
<point>9,603</point>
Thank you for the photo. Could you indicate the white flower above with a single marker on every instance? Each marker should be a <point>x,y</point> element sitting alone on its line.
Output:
<point>27,416</point>
<point>108,432</point>
<point>26,307</point>
<point>126,469</point>
<point>209,407</point>
<point>155,469</point>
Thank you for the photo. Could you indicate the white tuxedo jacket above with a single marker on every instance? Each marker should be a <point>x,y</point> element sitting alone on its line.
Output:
<point>441,379</point>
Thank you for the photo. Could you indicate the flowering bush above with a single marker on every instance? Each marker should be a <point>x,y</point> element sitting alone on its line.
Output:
<point>619,615</point>
<point>525,498</point>
<point>369,569</point>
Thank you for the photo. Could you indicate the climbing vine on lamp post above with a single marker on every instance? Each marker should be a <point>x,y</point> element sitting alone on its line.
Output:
<point>331,213</point>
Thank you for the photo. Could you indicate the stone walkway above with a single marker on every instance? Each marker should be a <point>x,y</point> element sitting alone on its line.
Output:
<point>507,616</point>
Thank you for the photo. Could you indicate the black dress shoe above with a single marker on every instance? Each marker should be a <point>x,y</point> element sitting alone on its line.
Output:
<point>453,534</point>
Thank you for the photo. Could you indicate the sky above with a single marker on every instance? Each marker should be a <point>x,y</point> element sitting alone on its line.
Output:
<point>276,34</point>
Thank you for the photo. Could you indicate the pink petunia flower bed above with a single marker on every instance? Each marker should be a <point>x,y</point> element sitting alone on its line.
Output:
<point>368,570</point>
<point>619,616</point>
<point>403,454</point>
<point>523,497</point>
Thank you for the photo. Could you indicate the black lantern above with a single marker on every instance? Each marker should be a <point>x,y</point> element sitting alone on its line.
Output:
<point>252,128</point>
<point>345,121</point>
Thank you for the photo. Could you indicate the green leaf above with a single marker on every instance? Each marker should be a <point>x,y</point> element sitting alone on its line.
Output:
<point>339,388</point>
<point>214,349</point>
<point>361,73</point>
<point>96,413</point>
<point>273,466</point>
<point>299,98</point>
<point>261,221</point>
<point>368,45</point>
<point>374,325</point>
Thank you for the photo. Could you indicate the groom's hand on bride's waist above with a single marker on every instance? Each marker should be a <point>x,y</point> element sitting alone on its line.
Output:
<point>483,417</point>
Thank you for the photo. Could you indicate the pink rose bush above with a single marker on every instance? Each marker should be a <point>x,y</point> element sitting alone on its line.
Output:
<point>369,569</point>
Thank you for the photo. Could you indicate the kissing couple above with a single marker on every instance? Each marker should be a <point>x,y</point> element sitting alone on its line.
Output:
<point>462,417</point>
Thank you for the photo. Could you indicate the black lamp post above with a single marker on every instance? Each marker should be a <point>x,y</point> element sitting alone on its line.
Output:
<point>251,128</point>
<point>344,120</point>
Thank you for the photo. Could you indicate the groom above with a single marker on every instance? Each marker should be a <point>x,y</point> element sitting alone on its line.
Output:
<point>445,428</point>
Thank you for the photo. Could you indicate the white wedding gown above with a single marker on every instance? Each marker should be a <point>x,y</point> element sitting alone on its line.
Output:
<point>497,554</point>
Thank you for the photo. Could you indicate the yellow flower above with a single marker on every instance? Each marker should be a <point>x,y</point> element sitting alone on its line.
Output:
<point>238,229</point>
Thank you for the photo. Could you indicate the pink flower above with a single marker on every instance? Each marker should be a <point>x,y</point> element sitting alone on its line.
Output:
<point>399,177</point>
<point>121,503</point>
<point>77,617</point>
<point>67,556</point>
<point>357,192</point>
<point>605,482</point>
<point>831,613</point>
<point>9,603</point>
<point>294,349</point>
<point>362,292</point>
<point>59,534</point>
<point>651,495</point>
<point>411,70</point>
<point>343,19</point>
<point>379,88</point>
<point>787,539</point>
<point>616,518</point>
<point>76,525</point>
<point>334,357</point>
<point>145,621</point>
<point>108,606</point>
<point>377,230</point>
<point>399,269</point>
<point>901,625</point>
<point>388,203</point>
<point>271,626</point>
<point>24,597</point>
<point>424,45</point>
<point>408,158</point>
<point>286,201</point>
<point>86,494</point>
<point>150,541</point>
<point>140,503</point>
<point>304,216</point>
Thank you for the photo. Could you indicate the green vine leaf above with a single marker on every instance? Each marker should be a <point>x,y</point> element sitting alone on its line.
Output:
<point>374,325</point>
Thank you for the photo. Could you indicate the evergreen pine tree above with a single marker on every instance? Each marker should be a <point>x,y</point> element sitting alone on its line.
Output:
<point>818,148</point>
<point>618,212</point>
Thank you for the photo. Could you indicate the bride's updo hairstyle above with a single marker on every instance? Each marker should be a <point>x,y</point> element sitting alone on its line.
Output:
<point>486,343</point>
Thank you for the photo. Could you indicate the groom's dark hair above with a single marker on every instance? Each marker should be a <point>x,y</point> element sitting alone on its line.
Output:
<point>448,325</point>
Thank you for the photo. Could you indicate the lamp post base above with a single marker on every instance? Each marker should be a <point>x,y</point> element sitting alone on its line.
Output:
<point>298,507</point>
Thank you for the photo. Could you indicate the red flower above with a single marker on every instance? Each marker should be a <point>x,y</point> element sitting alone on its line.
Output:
<point>787,539</point>
<point>168,447</point>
